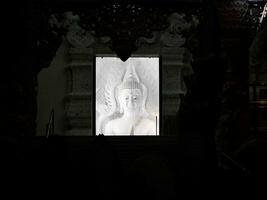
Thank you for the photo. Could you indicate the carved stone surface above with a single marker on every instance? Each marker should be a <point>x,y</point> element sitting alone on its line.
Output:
<point>172,36</point>
<point>78,113</point>
<point>112,28</point>
<point>170,104</point>
<point>175,64</point>
<point>79,108</point>
<point>77,36</point>
<point>79,84</point>
<point>81,80</point>
<point>79,70</point>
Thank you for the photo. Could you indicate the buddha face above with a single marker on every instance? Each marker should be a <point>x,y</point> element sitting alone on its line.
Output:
<point>130,100</point>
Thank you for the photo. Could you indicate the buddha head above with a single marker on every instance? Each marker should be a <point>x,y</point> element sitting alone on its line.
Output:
<point>131,94</point>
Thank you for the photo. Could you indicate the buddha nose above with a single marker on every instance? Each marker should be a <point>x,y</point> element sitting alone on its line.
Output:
<point>131,102</point>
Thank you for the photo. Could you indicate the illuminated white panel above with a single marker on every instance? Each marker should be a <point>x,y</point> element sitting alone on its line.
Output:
<point>127,96</point>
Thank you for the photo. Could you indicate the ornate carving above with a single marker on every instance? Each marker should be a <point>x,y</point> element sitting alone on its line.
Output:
<point>78,106</point>
<point>77,36</point>
<point>124,24</point>
<point>81,82</point>
<point>117,26</point>
<point>78,112</point>
<point>78,100</point>
<point>79,70</point>
<point>175,35</point>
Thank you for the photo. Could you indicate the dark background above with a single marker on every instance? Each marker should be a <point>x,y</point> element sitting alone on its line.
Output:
<point>157,168</point>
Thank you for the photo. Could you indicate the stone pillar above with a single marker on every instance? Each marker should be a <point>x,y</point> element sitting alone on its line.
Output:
<point>175,65</point>
<point>78,99</point>
<point>172,79</point>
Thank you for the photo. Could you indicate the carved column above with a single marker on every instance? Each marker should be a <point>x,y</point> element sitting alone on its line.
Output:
<point>176,58</point>
<point>172,79</point>
<point>79,85</point>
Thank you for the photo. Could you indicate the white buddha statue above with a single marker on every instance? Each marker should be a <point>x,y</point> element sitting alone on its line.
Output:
<point>131,96</point>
